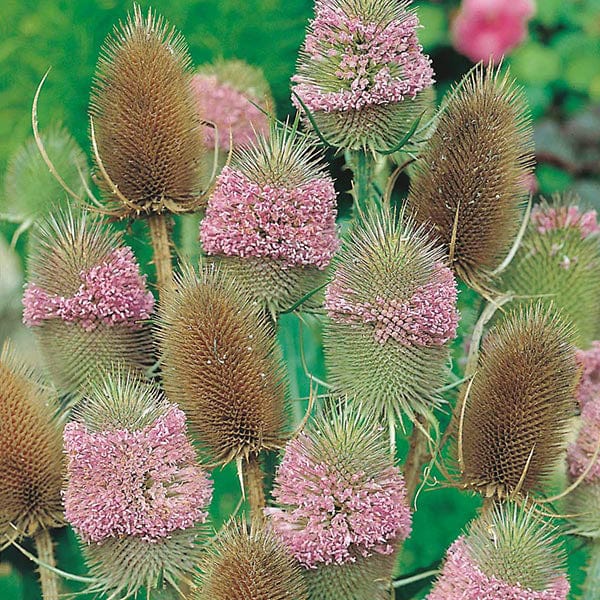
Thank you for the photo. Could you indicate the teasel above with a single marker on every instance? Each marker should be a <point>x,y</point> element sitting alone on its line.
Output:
<point>135,495</point>
<point>222,366</point>
<point>559,261</point>
<point>145,128</point>
<point>515,412</point>
<point>392,312</point>
<point>248,562</point>
<point>86,301</point>
<point>341,504</point>
<point>270,221</point>
<point>507,554</point>
<point>361,73</point>
<point>589,384</point>
<point>31,469</point>
<point>468,182</point>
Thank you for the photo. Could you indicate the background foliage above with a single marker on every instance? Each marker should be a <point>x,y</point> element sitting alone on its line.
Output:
<point>558,66</point>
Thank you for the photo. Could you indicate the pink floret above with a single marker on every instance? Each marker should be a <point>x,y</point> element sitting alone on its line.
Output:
<point>428,318</point>
<point>142,483</point>
<point>229,110</point>
<point>581,452</point>
<point>331,516</point>
<point>548,219</point>
<point>376,63</point>
<point>589,384</point>
<point>248,219</point>
<point>112,292</point>
<point>461,579</point>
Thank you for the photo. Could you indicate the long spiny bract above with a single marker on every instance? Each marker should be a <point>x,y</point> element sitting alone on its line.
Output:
<point>221,365</point>
<point>470,178</point>
<point>519,406</point>
<point>146,124</point>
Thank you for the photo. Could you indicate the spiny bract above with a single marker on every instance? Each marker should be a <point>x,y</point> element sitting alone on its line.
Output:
<point>470,177</point>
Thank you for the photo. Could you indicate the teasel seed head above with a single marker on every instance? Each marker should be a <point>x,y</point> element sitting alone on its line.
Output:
<point>31,469</point>
<point>270,221</point>
<point>392,309</point>
<point>221,365</point>
<point>340,500</point>
<point>469,177</point>
<point>86,301</point>
<point>147,128</point>
<point>361,72</point>
<point>508,554</point>
<point>519,404</point>
<point>249,563</point>
<point>135,493</point>
<point>559,260</point>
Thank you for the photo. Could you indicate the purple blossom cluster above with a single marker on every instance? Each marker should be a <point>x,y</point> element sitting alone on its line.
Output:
<point>428,318</point>
<point>113,292</point>
<point>581,452</point>
<point>142,483</point>
<point>462,578</point>
<point>589,384</point>
<point>332,516</point>
<point>229,110</point>
<point>249,219</point>
<point>547,219</point>
<point>374,62</point>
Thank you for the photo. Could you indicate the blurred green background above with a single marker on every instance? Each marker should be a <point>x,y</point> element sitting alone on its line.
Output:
<point>559,67</point>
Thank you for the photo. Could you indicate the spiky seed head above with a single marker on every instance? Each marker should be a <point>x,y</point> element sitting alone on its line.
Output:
<point>86,301</point>
<point>507,554</point>
<point>582,505</point>
<point>31,469</point>
<point>469,178</point>
<point>360,72</point>
<point>339,497</point>
<point>272,213</point>
<point>146,124</point>
<point>392,309</point>
<point>559,260</point>
<point>221,365</point>
<point>30,190</point>
<point>518,409</point>
<point>251,564</point>
<point>135,493</point>
<point>232,96</point>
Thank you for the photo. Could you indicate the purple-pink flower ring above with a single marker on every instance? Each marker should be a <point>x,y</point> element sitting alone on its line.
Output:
<point>550,218</point>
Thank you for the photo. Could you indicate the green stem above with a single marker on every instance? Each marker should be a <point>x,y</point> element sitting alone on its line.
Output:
<point>45,551</point>
<point>592,579</point>
<point>363,166</point>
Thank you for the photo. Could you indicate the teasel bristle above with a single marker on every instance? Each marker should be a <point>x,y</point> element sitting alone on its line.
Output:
<point>518,406</point>
<point>86,301</point>
<point>249,563</point>
<point>221,365</point>
<point>469,179</point>
<point>559,262</point>
<point>145,122</point>
<point>392,309</point>
<point>507,553</point>
<point>31,470</point>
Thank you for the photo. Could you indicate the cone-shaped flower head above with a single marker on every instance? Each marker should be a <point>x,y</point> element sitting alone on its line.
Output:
<point>147,128</point>
<point>31,469</point>
<point>559,260</point>
<point>229,94</point>
<point>339,498</point>
<point>135,494</point>
<point>392,309</point>
<point>519,405</point>
<point>468,181</point>
<point>508,554</point>
<point>221,365</point>
<point>30,190</point>
<point>86,301</point>
<point>360,72</point>
<point>271,218</point>
<point>250,564</point>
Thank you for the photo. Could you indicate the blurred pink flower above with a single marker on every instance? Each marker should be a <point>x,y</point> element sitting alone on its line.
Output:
<point>485,29</point>
<point>581,452</point>
<point>549,218</point>
<point>589,384</point>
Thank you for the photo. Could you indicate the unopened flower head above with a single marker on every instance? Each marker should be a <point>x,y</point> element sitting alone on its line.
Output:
<point>339,497</point>
<point>232,97</point>
<point>508,554</point>
<point>392,309</point>
<point>589,384</point>
<point>360,63</point>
